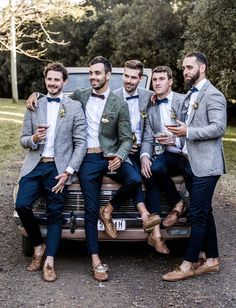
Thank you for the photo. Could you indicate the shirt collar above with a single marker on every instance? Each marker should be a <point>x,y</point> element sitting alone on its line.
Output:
<point>200,84</point>
<point>125,94</point>
<point>60,95</point>
<point>169,96</point>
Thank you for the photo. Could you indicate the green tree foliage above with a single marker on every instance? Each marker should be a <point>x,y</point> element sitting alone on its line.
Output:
<point>211,30</point>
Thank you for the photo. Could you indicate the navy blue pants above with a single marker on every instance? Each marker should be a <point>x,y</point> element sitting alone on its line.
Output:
<point>41,179</point>
<point>203,230</point>
<point>92,170</point>
<point>163,168</point>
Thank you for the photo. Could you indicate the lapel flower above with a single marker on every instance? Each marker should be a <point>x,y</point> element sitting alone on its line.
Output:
<point>143,114</point>
<point>195,105</point>
<point>173,114</point>
<point>154,99</point>
<point>62,111</point>
<point>105,118</point>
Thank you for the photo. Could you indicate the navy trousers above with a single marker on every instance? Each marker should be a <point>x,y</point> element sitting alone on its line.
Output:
<point>163,168</point>
<point>203,230</point>
<point>39,180</point>
<point>92,170</point>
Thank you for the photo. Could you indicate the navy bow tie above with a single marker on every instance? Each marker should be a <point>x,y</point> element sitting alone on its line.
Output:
<point>164,100</point>
<point>194,89</point>
<point>101,96</point>
<point>131,97</point>
<point>53,99</point>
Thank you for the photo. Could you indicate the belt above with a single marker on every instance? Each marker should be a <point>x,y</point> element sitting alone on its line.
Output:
<point>47,159</point>
<point>94,150</point>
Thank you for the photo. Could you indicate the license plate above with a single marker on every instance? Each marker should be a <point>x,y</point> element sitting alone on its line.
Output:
<point>119,223</point>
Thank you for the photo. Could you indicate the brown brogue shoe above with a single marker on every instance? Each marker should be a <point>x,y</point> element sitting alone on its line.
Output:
<point>150,222</point>
<point>205,268</point>
<point>100,272</point>
<point>49,273</point>
<point>158,244</point>
<point>172,218</point>
<point>36,263</point>
<point>110,228</point>
<point>178,274</point>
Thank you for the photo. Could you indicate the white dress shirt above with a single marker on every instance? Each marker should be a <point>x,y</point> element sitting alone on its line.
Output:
<point>94,112</point>
<point>134,112</point>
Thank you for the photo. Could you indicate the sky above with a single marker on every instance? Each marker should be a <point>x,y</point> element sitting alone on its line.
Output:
<point>3,3</point>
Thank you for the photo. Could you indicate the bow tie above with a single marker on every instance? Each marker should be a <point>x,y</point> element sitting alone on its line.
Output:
<point>160,101</point>
<point>53,99</point>
<point>194,89</point>
<point>101,96</point>
<point>131,97</point>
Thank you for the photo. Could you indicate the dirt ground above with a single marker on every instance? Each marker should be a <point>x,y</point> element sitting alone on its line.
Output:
<point>136,270</point>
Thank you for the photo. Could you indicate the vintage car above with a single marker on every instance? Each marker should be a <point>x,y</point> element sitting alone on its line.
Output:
<point>127,219</point>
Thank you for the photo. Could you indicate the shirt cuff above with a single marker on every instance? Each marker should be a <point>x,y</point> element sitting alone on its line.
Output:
<point>70,170</point>
<point>144,154</point>
<point>187,133</point>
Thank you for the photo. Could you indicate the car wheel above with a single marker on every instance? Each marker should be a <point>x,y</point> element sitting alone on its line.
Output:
<point>28,249</point>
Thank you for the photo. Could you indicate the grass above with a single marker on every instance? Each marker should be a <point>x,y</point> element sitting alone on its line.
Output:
<point>11,116</point>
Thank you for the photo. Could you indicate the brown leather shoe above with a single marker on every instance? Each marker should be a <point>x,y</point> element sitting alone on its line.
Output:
<point>158,244</point>
<point>205,268</point>
<point>100,272</point>
<point>172,218</point>
<point>49,273</point>
<point>110,228</point>
<point>36,263</point>
<point>178,274</point>
<point>150,222</point>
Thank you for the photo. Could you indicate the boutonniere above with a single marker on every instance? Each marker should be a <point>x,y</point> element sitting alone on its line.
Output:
<point>173,114</point>
<point>154,99</point>
<point>195,105</point>
<point>143,114</point>
<point>105,118</point>
<point>62,111</point>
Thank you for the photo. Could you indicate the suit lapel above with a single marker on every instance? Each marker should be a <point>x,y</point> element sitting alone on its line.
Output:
<point>42,111</point>
<point>61,114</point>
<point>111,100</point>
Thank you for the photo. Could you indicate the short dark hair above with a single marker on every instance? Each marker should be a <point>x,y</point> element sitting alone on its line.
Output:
<point>101,59</point>
<point>135,65</point>
<point>163,69</point>
<point>58,67</point>
<point>199,56</point>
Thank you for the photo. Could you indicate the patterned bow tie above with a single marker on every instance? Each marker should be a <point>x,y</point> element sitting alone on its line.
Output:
<point>101,96</point>
<point>53,99</point>
<point>131,97</point>
<point>194,89</point>
<point>162,101</point>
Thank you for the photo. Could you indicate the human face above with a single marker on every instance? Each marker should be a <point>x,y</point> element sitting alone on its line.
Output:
<point>98,78</point>
<point>131,79</point>
<point>193,71</point>
<point>161,84</point>
<point>54,82</point>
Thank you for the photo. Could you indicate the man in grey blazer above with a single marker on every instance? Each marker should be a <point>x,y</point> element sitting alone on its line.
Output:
<point>137,100</point>
<point>55,137</point>
<point>205,123</point>
<point>161,154</point>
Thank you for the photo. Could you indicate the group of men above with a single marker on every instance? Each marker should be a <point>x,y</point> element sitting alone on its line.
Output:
<point>87,125</point>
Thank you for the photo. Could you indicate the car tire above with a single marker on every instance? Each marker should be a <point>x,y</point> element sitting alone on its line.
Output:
<point>28,249</point>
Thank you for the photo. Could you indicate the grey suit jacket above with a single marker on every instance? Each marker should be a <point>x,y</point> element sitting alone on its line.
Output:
<point>153,122</point>
<point>70,136</point>
<point>206,125</point>
<point>144,101</point>
<point>114,136</point>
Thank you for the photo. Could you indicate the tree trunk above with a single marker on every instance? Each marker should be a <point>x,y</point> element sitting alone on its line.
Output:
<point>13,56</point>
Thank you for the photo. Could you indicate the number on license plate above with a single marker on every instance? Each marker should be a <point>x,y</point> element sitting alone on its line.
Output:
<point>119,223</point>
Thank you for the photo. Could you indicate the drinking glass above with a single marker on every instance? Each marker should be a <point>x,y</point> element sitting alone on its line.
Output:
<point>108,157</point>
<point>45,126</point>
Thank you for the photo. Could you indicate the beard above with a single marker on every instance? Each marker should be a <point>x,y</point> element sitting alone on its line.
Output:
<point>99,85</point>
<point>54,90</point>
<point>190,82</point>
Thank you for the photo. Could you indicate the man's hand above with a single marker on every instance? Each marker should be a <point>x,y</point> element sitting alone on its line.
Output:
<point>114,163</point>
<point>134,149</point>
<point>61,183</point>
<point>146,167</point>
<point>39,135</point>
<point>31,102</point>
<point>178,131</point>
<point>166,139</point>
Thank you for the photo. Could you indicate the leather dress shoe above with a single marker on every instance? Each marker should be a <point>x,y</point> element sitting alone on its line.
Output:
<point>110,228</point>
<point>205,268</point>
<point>178,274</point>
<point>150,222</point>
<point>49,273</point>
<point>100,272</point>
<point>37,261</point>
<point>158,244</point>
<point>172,218</point>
